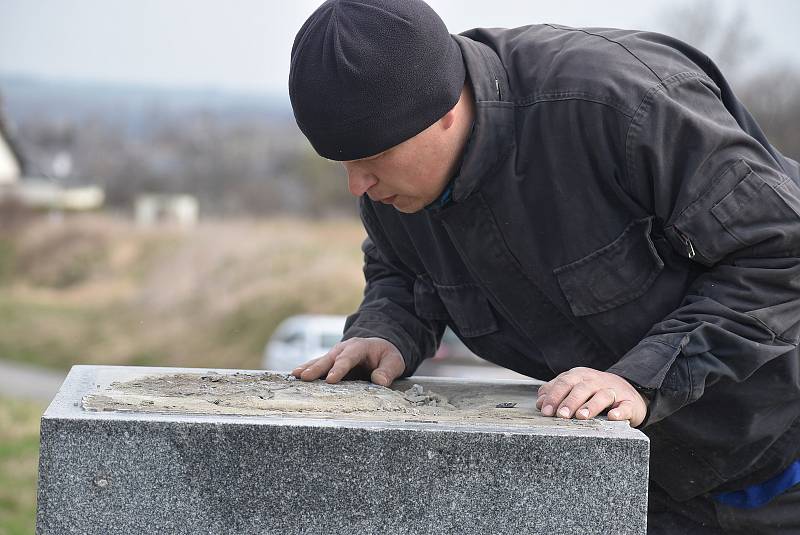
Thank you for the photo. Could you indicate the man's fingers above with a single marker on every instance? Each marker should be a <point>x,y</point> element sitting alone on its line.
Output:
<point>555,392</point>
<point>584,393</point>
<point>390,368</point>
<point>316,368</point>
<point>601,400</point>
<point>625,411</point>
<point>298,370</point>
<point>541,395</point>
<point>579,395</point>
<point>376,356</point>
<point>635,411</point>
<point>350,357</point>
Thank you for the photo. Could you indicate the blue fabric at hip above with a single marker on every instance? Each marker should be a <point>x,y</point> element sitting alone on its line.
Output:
<point>758,495</point>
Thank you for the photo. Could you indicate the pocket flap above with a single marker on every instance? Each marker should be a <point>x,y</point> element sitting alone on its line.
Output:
<point>426,301</point>
<point>744,207</point>
<point>614,274</point>
<point>463,304</point>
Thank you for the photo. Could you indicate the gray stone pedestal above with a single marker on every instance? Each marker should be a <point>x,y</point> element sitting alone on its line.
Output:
<point>166,450</point>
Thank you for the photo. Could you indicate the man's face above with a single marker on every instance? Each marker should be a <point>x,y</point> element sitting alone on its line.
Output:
<point>409,176</point>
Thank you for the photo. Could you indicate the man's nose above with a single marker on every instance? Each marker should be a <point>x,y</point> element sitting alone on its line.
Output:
<point>359,181</point>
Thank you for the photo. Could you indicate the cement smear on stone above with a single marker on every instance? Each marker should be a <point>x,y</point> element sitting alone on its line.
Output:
<point>253,394</point>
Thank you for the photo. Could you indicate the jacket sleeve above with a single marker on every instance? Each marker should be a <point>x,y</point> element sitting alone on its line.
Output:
<point>726,203</point>
<point>387,310</point>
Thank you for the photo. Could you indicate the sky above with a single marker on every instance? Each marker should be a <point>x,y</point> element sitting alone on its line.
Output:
<point>244,45</point>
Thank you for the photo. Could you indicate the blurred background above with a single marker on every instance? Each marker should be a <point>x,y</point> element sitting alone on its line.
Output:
<point>158,205</point>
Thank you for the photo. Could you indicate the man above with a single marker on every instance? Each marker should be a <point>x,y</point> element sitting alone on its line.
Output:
<point>590,206</point>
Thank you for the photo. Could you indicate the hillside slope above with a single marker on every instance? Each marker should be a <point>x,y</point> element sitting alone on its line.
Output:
<point>96,289</point>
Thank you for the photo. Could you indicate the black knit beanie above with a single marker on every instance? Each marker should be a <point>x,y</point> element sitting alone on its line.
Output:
<point>367,75</point>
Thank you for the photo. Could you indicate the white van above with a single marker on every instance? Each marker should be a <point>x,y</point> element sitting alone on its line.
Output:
<point>299,339</point>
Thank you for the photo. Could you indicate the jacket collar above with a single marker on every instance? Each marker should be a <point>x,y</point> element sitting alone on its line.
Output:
<point>493,132</point>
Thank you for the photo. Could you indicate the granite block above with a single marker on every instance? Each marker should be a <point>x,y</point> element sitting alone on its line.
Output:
<point>129,450</point>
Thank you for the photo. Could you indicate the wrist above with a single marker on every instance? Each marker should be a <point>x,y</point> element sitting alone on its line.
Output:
<point>647,394</point>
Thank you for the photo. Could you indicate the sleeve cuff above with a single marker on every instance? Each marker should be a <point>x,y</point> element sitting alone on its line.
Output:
<point>655,364</point>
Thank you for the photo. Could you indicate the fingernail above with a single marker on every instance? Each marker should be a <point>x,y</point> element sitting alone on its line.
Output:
<point>613,414</point>
<point>584,413</point>
<point>563,412</point>
<point>548,410</point>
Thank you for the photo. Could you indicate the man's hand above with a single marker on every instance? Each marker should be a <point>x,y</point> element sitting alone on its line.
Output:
<point>584,393</point>
<point>375,355</point>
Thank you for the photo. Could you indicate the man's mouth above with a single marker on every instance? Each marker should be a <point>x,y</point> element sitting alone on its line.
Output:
<point>388,200</point>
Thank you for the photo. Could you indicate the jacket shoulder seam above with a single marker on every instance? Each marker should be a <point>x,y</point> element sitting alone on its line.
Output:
<point>556,96</point>
<point>628,50</point>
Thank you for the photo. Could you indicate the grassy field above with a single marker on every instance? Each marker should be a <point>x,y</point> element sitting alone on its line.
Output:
<point>19,448</point>
<point>96,289</point>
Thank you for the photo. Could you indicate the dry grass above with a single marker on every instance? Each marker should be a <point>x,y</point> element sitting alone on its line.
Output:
<point>98,290</point>
<point>19,446</point>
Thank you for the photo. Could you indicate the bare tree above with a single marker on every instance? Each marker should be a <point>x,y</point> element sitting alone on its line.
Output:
<point>770,93</point>
<point>724,35</point>
<point>773,98</point>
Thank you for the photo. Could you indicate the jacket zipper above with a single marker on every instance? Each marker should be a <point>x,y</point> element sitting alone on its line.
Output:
<point>687,243</point>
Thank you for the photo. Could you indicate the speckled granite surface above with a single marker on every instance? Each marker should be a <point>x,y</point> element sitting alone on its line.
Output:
<point>445,457</point>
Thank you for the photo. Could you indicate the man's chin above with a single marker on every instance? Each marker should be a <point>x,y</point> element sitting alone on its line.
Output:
<point>407,206</point>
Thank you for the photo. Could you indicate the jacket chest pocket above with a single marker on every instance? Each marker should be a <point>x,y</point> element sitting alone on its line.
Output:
<point>465,305</point>
<point>613,275</point>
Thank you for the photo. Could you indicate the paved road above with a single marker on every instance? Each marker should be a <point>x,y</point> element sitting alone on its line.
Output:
<point>29,382</point>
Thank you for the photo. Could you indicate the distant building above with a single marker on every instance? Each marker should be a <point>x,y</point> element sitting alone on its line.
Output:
<point>48,194</point>
<point>12,166</point>
<point>41,193</point>
<point>157,209</point>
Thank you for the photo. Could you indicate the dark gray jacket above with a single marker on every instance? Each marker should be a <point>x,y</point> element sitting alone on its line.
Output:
<point>617,208</point>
